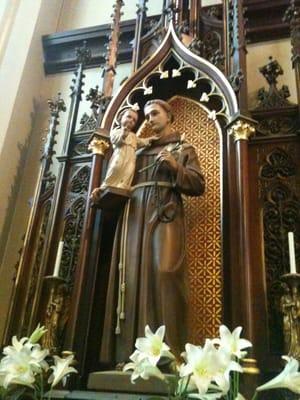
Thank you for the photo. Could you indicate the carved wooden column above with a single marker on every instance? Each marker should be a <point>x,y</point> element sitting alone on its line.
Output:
<point>241,129</point>
<point>292,16</point>
<point>76,336</point>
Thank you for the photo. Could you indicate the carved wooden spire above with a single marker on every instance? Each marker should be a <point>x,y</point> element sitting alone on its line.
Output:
<point>292,15</point>
<point>194,17</point>
<point>139,27</point>
<point>112,50</point>
<point>238,77</point>
<point>109,71</point>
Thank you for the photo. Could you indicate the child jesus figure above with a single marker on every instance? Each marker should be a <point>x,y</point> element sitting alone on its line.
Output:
<point>121,167</point>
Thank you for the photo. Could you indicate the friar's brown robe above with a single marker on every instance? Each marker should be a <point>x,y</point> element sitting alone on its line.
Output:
<point>156,291</point>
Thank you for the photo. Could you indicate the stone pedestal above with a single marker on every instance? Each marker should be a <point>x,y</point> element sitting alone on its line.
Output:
<point>117,381</point>
<point>92,395</point>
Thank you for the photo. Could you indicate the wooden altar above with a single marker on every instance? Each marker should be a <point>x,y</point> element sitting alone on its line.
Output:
<point>196,60</point>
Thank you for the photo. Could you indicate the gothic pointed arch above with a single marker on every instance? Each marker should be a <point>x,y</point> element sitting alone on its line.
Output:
<point>175,70</point>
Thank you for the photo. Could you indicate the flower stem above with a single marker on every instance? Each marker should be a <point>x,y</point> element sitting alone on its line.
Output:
<point>42,385</point>
<point>186,385</point>
<point>254,396</point>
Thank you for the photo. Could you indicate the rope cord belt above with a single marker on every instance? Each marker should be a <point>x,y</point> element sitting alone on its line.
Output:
<point>152,183</point>
<point>122,270</point>
<point>122,260</point>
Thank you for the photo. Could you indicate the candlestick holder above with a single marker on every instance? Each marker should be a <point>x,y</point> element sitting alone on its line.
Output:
<point>290,308</point>
<point>55,312</point>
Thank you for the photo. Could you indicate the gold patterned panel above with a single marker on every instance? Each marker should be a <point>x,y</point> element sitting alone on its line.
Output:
<point>203,222</point>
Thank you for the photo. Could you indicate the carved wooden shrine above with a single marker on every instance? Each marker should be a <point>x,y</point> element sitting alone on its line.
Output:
<point>237,245</point>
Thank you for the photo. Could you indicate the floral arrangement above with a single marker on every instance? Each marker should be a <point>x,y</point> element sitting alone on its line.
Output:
<point>206,373</point>
<point>24,371</point>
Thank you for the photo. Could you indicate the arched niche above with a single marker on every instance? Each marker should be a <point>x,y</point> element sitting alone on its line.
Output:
<point>203,103</point>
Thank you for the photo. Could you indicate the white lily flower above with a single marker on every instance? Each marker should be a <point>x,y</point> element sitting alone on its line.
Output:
<point>17,369</point>
<point>202,364</point>
<point>226,365</point>
<point>142,367</point>
<point>38,358</point>
<point>32,352</point>
<point>17,345</point>
<point>232,341</point>
<point>152,346</point>
<point>289,378</point>
<point>37,334</point>
<point>61,369</point>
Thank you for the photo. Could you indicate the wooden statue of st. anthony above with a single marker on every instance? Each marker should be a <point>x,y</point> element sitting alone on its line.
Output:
<point>147,282</point>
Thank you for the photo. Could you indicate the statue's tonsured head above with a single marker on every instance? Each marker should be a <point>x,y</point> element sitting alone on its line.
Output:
<point>159,114</point>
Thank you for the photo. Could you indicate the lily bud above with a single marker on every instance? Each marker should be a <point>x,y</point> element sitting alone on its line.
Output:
<point>37,334</point>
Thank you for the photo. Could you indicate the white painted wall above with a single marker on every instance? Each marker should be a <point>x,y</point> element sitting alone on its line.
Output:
<point>21,76</point>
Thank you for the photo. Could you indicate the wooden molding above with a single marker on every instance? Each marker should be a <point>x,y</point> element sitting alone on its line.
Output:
<point>264,24</point>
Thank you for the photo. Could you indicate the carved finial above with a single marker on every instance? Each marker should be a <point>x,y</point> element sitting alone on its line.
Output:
<point>141,7</point>
<point>170,10</point>
<point>83,54</point>
<point>94,96</point>
<point>236,79</point>
<point>56,105</point>
<point>274,97</point>
<point>271,71</point>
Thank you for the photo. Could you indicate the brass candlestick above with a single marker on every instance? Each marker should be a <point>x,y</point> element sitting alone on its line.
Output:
<point>55,313</point>
<point>290,308</point>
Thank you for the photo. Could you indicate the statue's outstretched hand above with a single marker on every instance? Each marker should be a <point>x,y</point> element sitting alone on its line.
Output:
<point>166,157</point>
<point>149,140</point>
<point>95,195</point>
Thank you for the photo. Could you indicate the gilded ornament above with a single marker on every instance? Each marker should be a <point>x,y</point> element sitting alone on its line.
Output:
<point>98,146</point>
<point>241,130</point>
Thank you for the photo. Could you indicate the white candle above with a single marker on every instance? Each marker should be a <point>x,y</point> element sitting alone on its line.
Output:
<point>58,258</point>
<point>292,253</point>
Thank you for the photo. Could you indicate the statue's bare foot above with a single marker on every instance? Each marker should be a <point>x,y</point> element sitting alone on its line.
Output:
<point>120,366</point>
